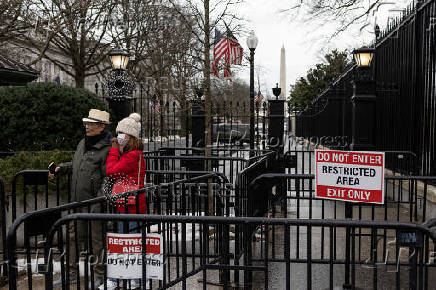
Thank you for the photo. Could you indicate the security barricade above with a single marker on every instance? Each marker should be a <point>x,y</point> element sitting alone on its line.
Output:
<point>34,190</point>
<point>403,258</point>
<point>227,161</point>
<point>406,198</point>
<point>30,190</point>
<point>244,204</point>
<point>183,197</point>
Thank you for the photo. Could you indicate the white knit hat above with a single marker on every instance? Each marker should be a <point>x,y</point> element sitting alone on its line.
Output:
<point>130,125</point>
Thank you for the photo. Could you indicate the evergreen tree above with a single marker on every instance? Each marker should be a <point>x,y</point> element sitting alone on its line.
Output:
<point>318,79</point>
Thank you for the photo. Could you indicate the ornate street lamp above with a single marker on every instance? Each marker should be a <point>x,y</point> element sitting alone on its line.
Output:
<point>119,58</point>
<point>120,84</point>
<point>363,100</point>
<point>363,56</point>
<point>363,126</point>
<point>252,42</point>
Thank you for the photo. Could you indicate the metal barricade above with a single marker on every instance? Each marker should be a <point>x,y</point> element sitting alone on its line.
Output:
<point>183,197</point>
<point>31,197</point>
<point>245,205</point>
<point>227,161</point>
<point>406,198</point>
<point>403,257</point>
<point>30,190</point>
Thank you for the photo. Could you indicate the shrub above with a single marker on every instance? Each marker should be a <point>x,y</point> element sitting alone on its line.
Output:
<point>9,166</point>
<point>31,160</point>
<point>44,116</point>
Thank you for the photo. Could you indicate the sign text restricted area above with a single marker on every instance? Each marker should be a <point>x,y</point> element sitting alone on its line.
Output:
<point>124,256</point>
<point>350,176</point>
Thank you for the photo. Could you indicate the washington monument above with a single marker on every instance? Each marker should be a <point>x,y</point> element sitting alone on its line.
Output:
<point>283,72</point>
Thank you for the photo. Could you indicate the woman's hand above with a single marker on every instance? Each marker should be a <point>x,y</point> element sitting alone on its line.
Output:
<point>114,142</point>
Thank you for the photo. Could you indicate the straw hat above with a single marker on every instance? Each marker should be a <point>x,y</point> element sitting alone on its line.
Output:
<point>97,116</point>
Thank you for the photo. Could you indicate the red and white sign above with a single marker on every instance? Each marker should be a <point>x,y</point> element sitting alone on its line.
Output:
<point>350,176</point>
<point>124,259</point>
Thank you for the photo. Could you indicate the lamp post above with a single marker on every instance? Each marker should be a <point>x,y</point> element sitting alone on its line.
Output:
<point>363,57</point>
<point>119,59</point>
<point>198,119</point>
<point>363,128</point>
<point>363,99</point>
<point>120,85</point>
<point>252,44</point>
<point>257,119</point>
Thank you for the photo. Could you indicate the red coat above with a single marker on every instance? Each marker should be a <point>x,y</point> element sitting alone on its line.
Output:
<point>124,170</point>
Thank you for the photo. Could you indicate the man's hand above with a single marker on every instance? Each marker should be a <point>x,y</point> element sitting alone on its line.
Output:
<point>115,143</point>
<point>52,175</point>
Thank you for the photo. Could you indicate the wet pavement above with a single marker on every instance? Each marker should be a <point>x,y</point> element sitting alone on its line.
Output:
<point>386,275</point>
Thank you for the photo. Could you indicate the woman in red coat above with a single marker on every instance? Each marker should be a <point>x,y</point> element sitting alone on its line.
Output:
<point>125,163</point>
<point>126,166</point>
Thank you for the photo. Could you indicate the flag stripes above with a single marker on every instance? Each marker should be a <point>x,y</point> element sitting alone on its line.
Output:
<point>232,51</point>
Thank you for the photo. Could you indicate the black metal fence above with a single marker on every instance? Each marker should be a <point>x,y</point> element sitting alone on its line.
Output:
<point>406,198</point>
<point>395,255</point>
<point>251,200</point>
<point>188,197</point>
<point>243,251</point>
<point>171,122</point>
<point>405,104</point>
<point>31,190</point>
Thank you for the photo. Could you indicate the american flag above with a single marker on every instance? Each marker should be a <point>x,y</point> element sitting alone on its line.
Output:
<point>155,107</point>
<point>258,98</point>
<point>229,47</point>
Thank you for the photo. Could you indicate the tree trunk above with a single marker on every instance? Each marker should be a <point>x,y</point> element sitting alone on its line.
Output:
<point>80,79</point>
<point>206,82</point>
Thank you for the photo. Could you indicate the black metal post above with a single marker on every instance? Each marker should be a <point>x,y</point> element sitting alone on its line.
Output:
<point>198,133</point>
<point>134,101</point>
<point>153,117</point>
<point>289,119</point>
<point>257,123</point>
<point>120,90</point>
<point>364,110</point>
<point>348,216</point>
<point>263,125</point>
<point>187,124</point>
<point>276,125</point>
<point>276,122</point>
<point>251,100</point>
<point>198,124</point>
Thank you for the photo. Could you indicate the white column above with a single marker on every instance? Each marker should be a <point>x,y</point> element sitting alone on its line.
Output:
<point>283,73</point>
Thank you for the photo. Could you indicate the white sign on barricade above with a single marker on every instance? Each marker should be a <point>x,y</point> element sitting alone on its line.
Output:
<point>124,259</point>
<point>350,176</point>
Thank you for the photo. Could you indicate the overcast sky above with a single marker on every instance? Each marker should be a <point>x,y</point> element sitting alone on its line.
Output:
<point>305,43</point>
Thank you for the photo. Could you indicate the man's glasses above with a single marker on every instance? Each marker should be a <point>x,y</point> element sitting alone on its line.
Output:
<point>90,124</point>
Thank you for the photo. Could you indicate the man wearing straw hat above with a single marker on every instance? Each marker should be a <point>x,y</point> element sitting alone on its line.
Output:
<point>88,181</point>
